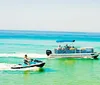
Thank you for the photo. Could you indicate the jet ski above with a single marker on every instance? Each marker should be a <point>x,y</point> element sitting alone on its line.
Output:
<point>33,63</point>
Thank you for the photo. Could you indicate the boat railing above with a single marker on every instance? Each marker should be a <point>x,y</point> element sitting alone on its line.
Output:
<point>73,50</point>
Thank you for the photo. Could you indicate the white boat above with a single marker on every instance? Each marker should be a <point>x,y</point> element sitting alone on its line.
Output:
<point>71,51</point>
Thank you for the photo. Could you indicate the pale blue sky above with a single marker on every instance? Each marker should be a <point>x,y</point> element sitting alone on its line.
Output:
<point>53,15</point>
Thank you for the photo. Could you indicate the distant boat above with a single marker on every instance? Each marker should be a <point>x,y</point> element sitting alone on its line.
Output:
<point>71,51</point>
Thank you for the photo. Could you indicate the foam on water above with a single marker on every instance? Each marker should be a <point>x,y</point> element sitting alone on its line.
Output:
<point>21,55</point>
<point>5,66</point>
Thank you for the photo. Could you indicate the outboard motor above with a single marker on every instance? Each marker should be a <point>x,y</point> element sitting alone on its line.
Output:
<point>48,52</point>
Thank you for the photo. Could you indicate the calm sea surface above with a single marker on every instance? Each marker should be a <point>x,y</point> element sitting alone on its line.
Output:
<point>56,71</point>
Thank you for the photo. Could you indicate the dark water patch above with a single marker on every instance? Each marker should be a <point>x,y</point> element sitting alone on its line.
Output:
<point>49,35</point>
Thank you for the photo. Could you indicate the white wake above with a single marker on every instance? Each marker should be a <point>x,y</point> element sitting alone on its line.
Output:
<point>31,55</point>
<point>5,66</point>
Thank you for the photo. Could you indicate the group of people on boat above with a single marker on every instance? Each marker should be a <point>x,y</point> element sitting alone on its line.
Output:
<point>65,47</point>
<point>72,49</point>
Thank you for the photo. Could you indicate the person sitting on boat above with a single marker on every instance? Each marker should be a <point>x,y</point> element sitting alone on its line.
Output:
<point>59,47</point>
<point>27,60</point>
<point>66,46</point>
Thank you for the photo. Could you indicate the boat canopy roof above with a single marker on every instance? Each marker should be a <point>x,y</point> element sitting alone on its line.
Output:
<point>60,41</point>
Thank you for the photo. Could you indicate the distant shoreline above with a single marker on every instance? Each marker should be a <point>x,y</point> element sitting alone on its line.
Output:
<point>26,30</point>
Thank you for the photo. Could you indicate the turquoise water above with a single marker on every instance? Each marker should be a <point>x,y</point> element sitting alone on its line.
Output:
<point>56,71</point>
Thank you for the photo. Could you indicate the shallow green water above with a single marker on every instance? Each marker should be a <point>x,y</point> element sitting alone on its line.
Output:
<point>55,72</point>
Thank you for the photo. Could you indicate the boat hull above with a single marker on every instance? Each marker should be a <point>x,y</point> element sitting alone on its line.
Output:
<point>29,66</point>
<point>75,55</point>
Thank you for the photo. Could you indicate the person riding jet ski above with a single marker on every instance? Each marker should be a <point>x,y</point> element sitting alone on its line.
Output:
<point>27,60</point>
<point>29,63</point>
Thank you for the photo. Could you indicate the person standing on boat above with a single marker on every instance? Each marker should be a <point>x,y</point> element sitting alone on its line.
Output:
<point>26,60</point>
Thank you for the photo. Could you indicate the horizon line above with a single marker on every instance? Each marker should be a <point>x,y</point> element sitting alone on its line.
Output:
<point>47,30</point>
